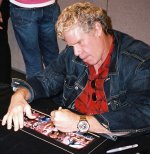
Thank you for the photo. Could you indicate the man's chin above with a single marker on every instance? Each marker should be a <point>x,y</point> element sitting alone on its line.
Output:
<point>88,64</point>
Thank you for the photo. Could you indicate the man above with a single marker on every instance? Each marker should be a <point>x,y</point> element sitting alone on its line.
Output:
<point>104,76</point>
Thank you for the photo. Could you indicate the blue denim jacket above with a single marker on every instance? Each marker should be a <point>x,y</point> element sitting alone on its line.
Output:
<point>127,87</point>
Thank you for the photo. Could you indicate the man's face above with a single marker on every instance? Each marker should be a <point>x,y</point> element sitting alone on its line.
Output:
<point>86,45</point>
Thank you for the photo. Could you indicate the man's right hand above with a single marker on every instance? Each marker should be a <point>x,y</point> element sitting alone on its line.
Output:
<point>17,109</point>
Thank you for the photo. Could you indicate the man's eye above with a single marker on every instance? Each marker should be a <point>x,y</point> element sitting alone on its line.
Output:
<point>69,45</point>
<point>79,42</point>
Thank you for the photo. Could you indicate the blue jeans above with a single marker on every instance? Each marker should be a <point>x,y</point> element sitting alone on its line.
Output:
<point>35,33</point>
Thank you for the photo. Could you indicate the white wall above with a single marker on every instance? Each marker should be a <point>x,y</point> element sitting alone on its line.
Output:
<point>132,17</point>
<point>16,56</point>
<point>129,16</point>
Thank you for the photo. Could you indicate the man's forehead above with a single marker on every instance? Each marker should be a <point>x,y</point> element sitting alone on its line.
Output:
<point>75,29</point>
<point>73,35</point>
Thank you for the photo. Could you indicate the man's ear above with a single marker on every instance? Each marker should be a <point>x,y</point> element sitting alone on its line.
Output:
<point>98,29</point>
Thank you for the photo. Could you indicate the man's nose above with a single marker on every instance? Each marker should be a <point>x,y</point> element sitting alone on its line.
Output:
<point>77,50</point>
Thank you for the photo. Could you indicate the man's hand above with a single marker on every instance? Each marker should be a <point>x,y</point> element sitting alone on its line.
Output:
<point>16,111</point>
<point>65,120</point>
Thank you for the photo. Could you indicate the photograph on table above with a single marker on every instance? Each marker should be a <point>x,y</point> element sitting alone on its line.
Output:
<point>43,128</point>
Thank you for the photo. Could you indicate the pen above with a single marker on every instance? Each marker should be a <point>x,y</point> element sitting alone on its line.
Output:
<point>122,148</point>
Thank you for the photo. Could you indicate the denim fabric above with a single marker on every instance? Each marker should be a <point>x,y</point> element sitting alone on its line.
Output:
<point>35,33</point>
<point>127,87</point>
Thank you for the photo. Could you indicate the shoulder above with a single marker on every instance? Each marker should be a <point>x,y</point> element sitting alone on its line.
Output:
<point>132,47</point>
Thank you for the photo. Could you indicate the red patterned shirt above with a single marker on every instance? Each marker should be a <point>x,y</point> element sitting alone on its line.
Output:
<point>92,100</point>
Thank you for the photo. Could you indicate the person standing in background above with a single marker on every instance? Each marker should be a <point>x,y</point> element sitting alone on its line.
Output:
<point>34,26</point>
<point>5,56</point>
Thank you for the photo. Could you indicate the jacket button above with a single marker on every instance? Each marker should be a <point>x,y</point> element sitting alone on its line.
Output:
<point>76,88</point>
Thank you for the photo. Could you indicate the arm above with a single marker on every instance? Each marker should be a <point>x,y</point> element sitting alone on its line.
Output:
<point>42,85</point>
<point>49,82</point>
<point>135,110</point>
<point>17,109</point>
<point>132,108</point>
<point>67,121</point>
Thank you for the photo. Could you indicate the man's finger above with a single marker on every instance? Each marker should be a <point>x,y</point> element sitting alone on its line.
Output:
<point>53,113</point>
<point>9,121</point>
<point>4,119</point>
<point>21,120</point>
<point>60,108</point>
<point>28,112</point>
<point>16,122</point>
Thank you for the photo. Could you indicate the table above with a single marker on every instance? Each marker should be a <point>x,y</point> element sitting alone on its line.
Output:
<point>21,143</point>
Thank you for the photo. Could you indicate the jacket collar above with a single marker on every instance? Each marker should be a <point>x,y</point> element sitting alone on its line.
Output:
<point>114,59</point>
<point>113,64</point>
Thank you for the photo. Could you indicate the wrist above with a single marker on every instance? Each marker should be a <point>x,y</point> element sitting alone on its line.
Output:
<point>18,83</point>
<point>83,124</point>
<point>23,92</point>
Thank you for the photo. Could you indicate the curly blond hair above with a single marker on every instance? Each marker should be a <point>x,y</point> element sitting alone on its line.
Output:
<point>83,14</point>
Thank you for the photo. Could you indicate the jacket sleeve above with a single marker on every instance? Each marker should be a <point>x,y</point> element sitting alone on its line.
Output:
<point>134,115</point>
<point>17,83</point>
<point>50,81</point>
<point>46,83</point>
